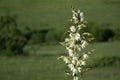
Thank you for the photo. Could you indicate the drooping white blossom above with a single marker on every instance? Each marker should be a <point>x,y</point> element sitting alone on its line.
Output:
<point>74,71</point>
<point>84,43</point>
<point>66,60</point>
<point>82,63</point>
<point>70,51</point>
<point>79,69</point>
<point>81,17</point>
<point>72,28</point>
<point>78,48</point>
<point>75,78</point>
<point>85,56</point>
<point>67,39</point>
<point>77,36</point>
<point>79,27</point>
<point>71,66</point>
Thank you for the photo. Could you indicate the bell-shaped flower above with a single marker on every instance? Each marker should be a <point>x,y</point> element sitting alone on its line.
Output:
<point>70,51</point>
<point>79,69</point>
<point>77,36</point>
<point>66,60</point>
<point>84,43</point>
<point>85,56</point>
<point>74,71</point>
<point>82,62</point>
<point>75,78</point>
<point>72,28</point>
<point>81,17</point>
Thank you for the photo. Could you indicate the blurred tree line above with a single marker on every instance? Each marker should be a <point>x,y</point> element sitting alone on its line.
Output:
<point>13,39</point>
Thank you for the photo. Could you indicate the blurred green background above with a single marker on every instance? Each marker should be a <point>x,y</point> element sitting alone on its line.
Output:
<point>30,32</point>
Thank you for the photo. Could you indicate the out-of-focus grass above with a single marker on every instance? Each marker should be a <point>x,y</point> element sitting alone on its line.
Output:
<point>43,64</point>
<point>102,49</point>
<point>32,68</point>
<point>105,73</point>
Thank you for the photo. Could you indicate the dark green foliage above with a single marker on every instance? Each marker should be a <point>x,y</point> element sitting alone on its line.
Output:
<point>50,37</point>
<point>12,40</point>
<point>117,34</point>
<point>102,33</point>
<point>38,36</point>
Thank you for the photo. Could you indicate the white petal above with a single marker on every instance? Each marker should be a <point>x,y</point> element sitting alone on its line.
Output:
<point>70,51</point>
<point>84,44</point>
<point>83,63</point>
<point>75,78</point>
<point>73,61</point>
<point>67,39</point>
<point>73,28</point>
<point>85,56</point>
<point>78,11</point>
<point>79,69</point>
<point>82,19</point>
<point>77,36</point>
<point>66,60</point>
<point>81,14</point>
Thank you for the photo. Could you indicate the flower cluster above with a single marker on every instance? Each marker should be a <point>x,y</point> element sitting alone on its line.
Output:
<point>75,43</point>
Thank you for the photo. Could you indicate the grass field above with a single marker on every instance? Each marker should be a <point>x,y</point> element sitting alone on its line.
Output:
<point>42,64</point>
<point>53,14</point>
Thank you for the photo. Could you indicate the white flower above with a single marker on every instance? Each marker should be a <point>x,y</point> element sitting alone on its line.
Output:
<point>73,61</point>
<point>67,39</point>
<point>79,27</point>
<point>78,47</point>
<point>74,17</point>
<point>83,25</point>
<point>75,58</point>
<point>77,36</point>
<point>78,63</point>
<point>70,51</point>
<point>78,11</point>
<point>74,71</point>
<point>76,21</point>
<point>71,66</point>
<point>81,17</point>
<point>81,14</point>
<point>71,35</point>
<point>66,60</point>
<point>84,43</point>
<point>75,78</point>
<point>73,11</point>
<point>73,28</point>
<point>82,63</point>
<point>79,69</point>
<point>85,56</point>
<point>72,44</point>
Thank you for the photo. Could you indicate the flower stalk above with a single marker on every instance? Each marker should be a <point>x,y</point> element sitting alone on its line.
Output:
<point>74,44</point>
